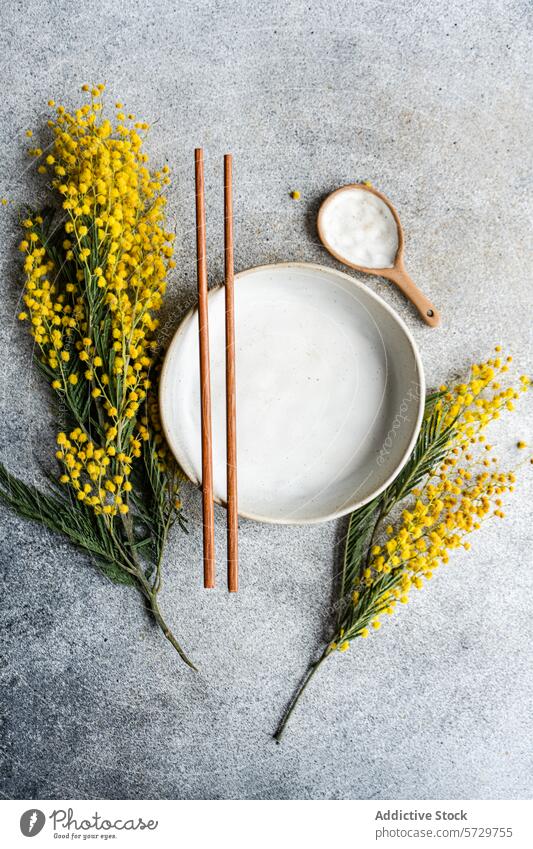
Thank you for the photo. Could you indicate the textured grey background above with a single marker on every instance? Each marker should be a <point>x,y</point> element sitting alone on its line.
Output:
<point>427,99</point>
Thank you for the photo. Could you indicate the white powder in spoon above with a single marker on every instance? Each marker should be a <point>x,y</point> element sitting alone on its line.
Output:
<point>360,228</point>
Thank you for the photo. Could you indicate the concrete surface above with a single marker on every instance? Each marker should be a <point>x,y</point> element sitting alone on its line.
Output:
<point>426,99</point>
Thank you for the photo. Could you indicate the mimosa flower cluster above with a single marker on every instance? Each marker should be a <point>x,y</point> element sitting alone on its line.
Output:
<point>451,484</point>
<point>95,265</point>
<point>460,492</point>
<point>93,289</point>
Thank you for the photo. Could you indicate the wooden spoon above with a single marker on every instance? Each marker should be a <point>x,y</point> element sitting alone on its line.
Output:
<point>397,273</point>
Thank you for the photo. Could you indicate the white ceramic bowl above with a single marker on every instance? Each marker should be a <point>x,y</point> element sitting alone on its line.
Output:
<point>330,393</point>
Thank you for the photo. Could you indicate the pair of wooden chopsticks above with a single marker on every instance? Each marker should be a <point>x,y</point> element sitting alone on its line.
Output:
<point>205,381</point>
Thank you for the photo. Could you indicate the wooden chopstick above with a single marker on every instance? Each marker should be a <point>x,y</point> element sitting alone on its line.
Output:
<point>205,378</point>
<point>231,425</point>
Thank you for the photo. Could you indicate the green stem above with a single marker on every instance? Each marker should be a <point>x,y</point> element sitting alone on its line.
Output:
<point>383,512</point>
<point>342,607</point>
<point>298,693</point>
<point>167,632</point>
<point>158,579</point>
<point>150,593</point>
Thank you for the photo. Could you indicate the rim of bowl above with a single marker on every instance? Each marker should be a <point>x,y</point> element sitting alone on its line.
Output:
<point>343,511</point>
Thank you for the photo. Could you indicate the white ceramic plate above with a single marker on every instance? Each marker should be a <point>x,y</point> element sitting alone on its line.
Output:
<point>330,393</point>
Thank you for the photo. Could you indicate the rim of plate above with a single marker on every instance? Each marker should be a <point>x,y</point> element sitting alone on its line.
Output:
<point>336,514</point>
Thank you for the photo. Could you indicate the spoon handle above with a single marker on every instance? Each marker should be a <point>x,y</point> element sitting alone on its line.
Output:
<point>427,311</point>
